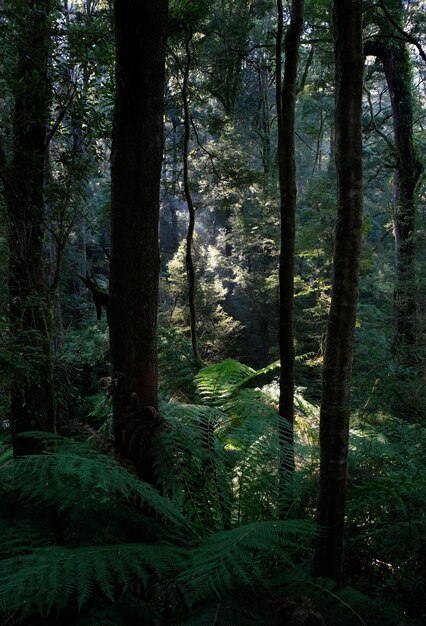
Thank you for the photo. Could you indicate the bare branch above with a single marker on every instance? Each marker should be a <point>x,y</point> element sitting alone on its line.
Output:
<point>373,124</point>
<point>204,149</point>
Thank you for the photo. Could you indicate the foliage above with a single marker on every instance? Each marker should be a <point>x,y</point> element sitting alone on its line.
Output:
<point>50,563</point>
<point>83,541</point>
<point>200,549</point>
<point>217,330</point>
<point>386,510</point>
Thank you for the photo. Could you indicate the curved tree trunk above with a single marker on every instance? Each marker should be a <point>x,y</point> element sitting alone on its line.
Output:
<point>137,152</point>
<point>286,105</point>
<point>335,406</point>
<point>189,261</point>
<point>32,394</point>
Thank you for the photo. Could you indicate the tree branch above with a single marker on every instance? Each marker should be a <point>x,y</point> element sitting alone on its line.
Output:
<point>100,296</point>
<point>408,36</point>
<point>308,64</point>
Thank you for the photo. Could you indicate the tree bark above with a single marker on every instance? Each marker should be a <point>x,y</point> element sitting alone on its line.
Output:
<point>286,106</point>
<point>335,406</point>
<point>396,64</point>
<point>140,32</point>
<point>32,394</point>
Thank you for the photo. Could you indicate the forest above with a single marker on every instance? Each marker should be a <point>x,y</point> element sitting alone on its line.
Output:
<point>212,312</point>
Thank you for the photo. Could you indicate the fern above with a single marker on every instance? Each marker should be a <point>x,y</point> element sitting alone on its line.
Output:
<point>215,382</point>
<point>176,364</point>
<point>222,465</point>
<point>386,521</point>
<point>219,381</point>
<point>77,473</point>
<point>244,556</point>
<point>54,577</point>
<point>191,464</point>
<point>212,551</point>
<point>23,536</point>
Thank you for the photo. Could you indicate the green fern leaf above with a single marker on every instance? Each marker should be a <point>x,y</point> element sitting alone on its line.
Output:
<point>51,577</point>
<point>77,473</point>
<point>247,555</point>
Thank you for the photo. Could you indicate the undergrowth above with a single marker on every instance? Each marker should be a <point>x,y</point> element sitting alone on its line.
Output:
<point>84,541</point>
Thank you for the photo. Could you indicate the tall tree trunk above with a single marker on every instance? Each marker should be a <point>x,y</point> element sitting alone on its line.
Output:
<point>262,120</point>
<point>286,106</point>
<point>140,32</point>
<point>335,406</point>
<point>174,192</point>
<point>81,157</point>
<point>395,57</point>
<point>32,395</point>
<point>189,261</point>
<point>396,64</point>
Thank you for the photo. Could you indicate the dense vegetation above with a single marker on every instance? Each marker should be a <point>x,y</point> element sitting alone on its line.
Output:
<point>192,497</point>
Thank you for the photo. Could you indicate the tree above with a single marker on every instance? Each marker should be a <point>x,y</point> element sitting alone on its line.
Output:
<point>394,55</point>
<point>32,397</point>
<point>286,108</point>
<point>140,33</point>
<point>189,261</point>
<point>335,404</point>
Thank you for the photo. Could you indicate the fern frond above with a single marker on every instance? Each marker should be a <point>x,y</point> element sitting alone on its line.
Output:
<point>192,465</point>
<point>54,577</point>
<point>215,382</point>
<point>6,454</point>
<point>77,474</point>
<point>22,536</point>
<point>222,469</point>
<point>176,364</point>
<point>247,555</point>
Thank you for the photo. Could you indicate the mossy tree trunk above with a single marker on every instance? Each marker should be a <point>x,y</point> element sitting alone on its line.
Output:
<point>393,52</point>
<point>137,152</point>
<point>396,63</point>
<point>335,405</point>
<point>286,107</point>
<point>32,396</point>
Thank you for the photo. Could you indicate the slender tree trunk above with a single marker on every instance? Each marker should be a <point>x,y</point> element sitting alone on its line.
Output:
<point>174,193</point>
<point>54,269</point>
<point>189,261</point>
<point>263,119</point>
<point>81,157</point>
<point>140,32</point>
<point>286,106</point>
<point>32,395</point>
<point>335,406</point>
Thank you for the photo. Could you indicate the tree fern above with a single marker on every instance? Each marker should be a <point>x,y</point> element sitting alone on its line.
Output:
<point>221,464</point>
<point>217,382</point>
<point>90,541</point>
<point>192,465</point>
